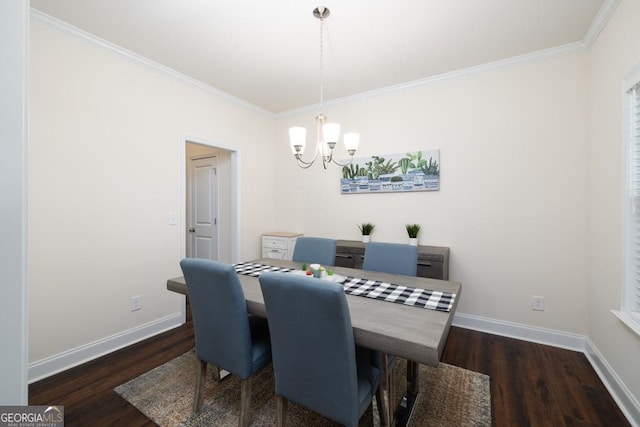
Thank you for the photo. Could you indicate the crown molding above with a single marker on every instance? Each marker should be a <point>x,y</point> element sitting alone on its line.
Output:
<point>601,19</point>
<point>599,22</point>
<point>567,49</point>
<point>170,72</point>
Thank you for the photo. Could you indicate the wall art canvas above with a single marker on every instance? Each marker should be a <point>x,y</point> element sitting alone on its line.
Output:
<point>392,173</point>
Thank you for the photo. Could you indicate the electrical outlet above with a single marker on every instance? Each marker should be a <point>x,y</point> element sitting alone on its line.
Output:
<point>538,303</point>
<point>136,303</point>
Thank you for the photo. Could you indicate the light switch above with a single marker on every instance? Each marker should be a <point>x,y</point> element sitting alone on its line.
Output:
<point>173,218</point>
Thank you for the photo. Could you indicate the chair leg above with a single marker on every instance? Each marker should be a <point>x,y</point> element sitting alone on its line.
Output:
<point>200,379</point>
<point>392,392</point>
<point>382,412</point>
<point>281,410</point>
<point>216,373</point>
<point>383,394</point>
<point>245,402</point>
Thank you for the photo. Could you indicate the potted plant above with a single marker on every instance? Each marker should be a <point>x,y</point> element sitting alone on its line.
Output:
<point>366,229</point>
<point>412,231</point>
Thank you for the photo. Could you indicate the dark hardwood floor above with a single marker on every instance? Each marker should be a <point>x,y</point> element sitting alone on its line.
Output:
<point>534,384</point>
<point>531,384</point>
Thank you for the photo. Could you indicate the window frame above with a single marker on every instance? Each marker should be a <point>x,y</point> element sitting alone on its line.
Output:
<point>629,311</point>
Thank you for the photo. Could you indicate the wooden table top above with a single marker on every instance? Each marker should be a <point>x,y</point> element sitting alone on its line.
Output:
<point>412,333</point>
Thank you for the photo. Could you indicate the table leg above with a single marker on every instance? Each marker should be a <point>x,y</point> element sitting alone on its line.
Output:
<point>413,383</point>
<point>409,399</point>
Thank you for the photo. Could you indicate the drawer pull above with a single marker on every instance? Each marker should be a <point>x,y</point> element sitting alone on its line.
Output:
<point>425,264</point>
<point>343,256</point>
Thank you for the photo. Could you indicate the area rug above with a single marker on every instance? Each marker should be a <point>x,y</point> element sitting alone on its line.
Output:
<point>450,396</point>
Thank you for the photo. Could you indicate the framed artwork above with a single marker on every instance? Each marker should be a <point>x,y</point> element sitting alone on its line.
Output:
<point>392,173</point>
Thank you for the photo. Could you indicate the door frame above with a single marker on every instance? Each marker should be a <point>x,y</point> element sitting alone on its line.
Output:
<point>234,194</point>
<point>234,191</point>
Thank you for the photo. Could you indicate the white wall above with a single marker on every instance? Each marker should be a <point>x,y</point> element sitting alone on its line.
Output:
<point>14,33</point>
<point>107,135</point>
<point>615,53</point>
<point>513,200</point>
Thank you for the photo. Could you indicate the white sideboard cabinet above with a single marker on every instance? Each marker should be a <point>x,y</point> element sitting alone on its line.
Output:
<point>279,244</point>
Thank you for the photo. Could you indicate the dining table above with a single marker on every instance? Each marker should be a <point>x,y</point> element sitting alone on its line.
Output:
<point>415,333</point>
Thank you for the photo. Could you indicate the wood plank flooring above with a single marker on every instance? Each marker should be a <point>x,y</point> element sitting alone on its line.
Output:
<point>531,384</point>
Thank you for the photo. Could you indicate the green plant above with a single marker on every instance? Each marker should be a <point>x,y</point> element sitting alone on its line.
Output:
<point>378,167</point>
<point>413,230</point>
<point>352,171</point>
<point>405,163</point>
<point>432,168</point>
<point>366,228</point>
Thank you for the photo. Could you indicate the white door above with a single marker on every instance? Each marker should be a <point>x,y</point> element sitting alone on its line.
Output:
<point>203,207</point>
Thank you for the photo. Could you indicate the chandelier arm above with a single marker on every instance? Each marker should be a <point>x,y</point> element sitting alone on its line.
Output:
<point>343,164</point>
<point>299,158</point>
<point>304,165</point>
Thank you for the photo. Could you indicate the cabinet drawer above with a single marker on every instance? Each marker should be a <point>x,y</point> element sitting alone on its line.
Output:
<point>344,259</point>
<point>351,257</point>
<point>274,242</point>
<point>274,253</point>
<point>430,269</point>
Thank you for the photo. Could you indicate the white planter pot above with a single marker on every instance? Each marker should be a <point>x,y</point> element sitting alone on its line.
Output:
<point>366,238</point>
<point>413,241</point>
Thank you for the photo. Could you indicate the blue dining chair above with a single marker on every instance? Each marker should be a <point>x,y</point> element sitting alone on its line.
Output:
<point>397,259</point>
<point>315,249</point>
<point>226,336</point>
<point>315,360</point>
<point>393,258</point>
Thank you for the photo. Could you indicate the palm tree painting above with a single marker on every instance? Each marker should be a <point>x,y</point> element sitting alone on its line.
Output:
<point>391,173</point>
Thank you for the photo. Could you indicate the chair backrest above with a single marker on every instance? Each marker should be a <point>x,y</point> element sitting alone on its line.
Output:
<point>393,258</point>
<point>312,344</point>
<point>315,249</point>
<point>220,319</point>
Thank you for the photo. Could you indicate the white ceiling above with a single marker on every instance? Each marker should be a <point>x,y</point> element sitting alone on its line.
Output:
<point>268,52</point>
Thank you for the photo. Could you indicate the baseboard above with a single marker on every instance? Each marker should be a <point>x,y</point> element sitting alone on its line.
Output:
<point>522,332</point>
<point>60,362</point>
<point>625,400</point>
<point>619,392</point>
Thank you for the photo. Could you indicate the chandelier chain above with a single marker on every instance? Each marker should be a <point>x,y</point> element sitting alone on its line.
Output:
<point>321,63</point>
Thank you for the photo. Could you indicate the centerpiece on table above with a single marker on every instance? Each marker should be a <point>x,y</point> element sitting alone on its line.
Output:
<point>316,270</point>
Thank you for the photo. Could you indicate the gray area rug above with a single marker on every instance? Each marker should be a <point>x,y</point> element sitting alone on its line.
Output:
<point>450,396</point>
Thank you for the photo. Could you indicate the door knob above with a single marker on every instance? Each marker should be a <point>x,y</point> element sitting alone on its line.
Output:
<point>192,230</point>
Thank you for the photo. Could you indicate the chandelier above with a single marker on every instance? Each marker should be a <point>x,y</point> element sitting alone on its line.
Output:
<point>328,133</point>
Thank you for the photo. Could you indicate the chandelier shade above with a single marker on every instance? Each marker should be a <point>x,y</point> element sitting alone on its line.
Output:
<point>297,137</point>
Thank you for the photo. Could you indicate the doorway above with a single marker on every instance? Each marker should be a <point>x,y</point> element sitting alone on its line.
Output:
<point>225,211</point>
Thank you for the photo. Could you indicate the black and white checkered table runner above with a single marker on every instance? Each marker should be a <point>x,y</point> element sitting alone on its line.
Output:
<point>255,270</point>
<point>434,300</point>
